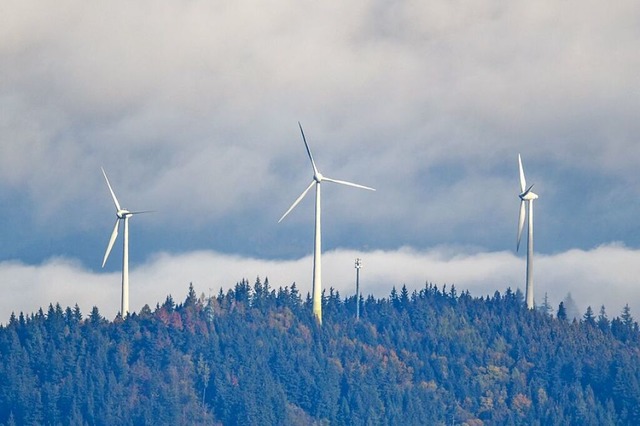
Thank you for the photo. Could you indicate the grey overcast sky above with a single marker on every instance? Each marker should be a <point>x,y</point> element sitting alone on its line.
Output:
<point>192,109</point>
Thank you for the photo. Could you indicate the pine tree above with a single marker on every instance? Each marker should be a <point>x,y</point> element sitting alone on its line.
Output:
<point>404,296</point>
<point>77,314</point>
<point>395,301</point>
<point>562,313</point>
<point>603,321</point>
<point>588,317</point>
<point>626,317</point>
<point>191,296</point>
<point>95,317</point>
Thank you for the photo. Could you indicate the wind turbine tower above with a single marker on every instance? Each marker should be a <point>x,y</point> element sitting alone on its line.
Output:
<point>318,178</point>
<point>526,197</point>
<point>121,215</point>
<point>358,266</point>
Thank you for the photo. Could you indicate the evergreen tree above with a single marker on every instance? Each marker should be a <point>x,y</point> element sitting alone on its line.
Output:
<point>169,304</point>
<point>95,317</point>
<point>562,312</point>
<point>588,317</point>
<point>191,297</point>
<point>603,321</point>
<point>404,296</point>
<point>394,297</point>
<point>626,317</point>
<point>77,314</point>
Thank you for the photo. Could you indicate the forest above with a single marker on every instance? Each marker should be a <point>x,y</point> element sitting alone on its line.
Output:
<point>254,355</point>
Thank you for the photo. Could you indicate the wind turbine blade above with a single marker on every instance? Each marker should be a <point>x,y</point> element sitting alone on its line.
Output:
<point>520,222</point>
<point>527,191</point>
<point>342,182</point>
<point>115,200</point>
<point>298,200</point>
<point>143,211</point>
<point>313,163</point>
<point>523,181</point>
<point>112,240</point>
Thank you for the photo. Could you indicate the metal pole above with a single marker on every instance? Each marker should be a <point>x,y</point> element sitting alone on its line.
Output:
<point>529,288</point>
<point>358,266</point>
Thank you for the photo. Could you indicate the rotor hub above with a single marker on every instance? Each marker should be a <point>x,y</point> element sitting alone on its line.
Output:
<point>123,214</point>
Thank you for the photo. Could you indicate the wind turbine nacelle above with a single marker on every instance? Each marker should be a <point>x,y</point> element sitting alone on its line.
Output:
<point>123,213</point>
<point>318,177</point>
<point>529,196</point>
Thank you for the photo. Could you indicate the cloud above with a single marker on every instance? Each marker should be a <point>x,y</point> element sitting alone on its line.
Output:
<point>601,276</point>
<point>201,74</point>
<point>192,109</point>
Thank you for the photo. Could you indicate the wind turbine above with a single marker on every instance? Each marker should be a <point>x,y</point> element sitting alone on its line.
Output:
<point>526,196</point>
<point>318,178</point>
<point>121,215</point>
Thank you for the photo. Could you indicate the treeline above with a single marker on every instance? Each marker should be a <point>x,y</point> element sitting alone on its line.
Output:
<point>255,355</point>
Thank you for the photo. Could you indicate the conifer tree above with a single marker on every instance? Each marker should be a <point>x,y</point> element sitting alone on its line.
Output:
<point>562,313</point>
<point>603,321</point>
<point>588,317</point>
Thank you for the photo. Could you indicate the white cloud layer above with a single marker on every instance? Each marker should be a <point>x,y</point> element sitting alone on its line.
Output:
<point>606,275</point>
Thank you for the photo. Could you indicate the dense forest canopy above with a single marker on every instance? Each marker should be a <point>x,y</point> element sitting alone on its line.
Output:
<point>255,355</point>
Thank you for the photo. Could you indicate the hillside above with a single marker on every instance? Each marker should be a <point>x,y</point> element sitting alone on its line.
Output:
<point>254,355</point>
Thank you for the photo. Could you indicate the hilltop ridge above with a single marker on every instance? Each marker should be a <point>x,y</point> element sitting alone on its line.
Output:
<point>255,355</point>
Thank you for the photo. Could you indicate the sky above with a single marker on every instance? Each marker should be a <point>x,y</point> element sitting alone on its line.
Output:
<point>192,108</point>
